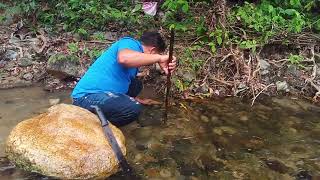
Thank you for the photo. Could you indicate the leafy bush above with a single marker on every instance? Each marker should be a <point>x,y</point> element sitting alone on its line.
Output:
<point>80,15</point>
<point>271,18</point>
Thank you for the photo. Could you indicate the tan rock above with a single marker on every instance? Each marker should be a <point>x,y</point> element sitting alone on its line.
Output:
<point>67,142</point>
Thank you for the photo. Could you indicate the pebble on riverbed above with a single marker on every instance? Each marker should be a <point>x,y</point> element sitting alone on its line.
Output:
<point>224,129</point>
<point>54,101</point>
<point>204,118</point>
<point>165,173</point>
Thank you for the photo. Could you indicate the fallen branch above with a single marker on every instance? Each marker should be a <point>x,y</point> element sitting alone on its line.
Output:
<point>221,81</point>
<point>255,97</point>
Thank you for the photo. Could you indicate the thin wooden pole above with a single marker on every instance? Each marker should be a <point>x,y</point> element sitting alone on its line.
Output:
<point>169,76</point>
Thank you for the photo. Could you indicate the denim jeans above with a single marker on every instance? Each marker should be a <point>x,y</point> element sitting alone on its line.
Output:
<point>119,109</point>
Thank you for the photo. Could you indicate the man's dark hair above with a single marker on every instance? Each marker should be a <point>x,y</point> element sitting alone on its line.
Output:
<point>153,39</point>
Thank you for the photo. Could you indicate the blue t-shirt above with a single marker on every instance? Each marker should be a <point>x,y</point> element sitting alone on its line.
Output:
<point>106,74</point>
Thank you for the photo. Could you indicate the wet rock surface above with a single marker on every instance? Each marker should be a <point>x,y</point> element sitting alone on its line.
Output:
<point>68,142</point>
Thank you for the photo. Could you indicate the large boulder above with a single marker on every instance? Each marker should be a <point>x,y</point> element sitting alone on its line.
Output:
<point>67,142</point>
<point>62,66</point>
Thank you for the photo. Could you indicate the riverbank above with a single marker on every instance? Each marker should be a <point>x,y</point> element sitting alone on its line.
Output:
<point>58,61</point>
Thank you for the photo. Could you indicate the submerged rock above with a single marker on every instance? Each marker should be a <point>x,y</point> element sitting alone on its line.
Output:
<point>243,116</point>
<point>224,129</point>
<point>287,103</point>
<point>66,142</point>
<point>165,173</point>
<point>204,118</point>
<point>276,166</point>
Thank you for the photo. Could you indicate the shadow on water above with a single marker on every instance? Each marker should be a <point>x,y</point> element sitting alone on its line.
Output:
<point>227,139</point>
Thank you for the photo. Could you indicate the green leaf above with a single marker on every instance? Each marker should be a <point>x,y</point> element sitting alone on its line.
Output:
<point>73,47</point>
<point>290,12</point>
<point>213,47</point>
<point>295,3</point>
<point>3,6</point>
<point>295,59</point>
<point>219,40</point>
<point>172,26</point>
<point>185,8</point>
<point>136,8</point>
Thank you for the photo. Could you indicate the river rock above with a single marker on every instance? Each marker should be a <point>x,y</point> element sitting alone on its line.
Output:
<point>224,129</point>
<point>287,103</point>
<point>67,142</point>
<point>28,76</point>
<point>62,66</point>
<point>243,116</point>
<point>204,118</point>
<point>264,67</point>
<point>24,62</point>
<point>165,173</point>
<point>186,75</point>
<point>282,86</point>
<point>54,101</point>
<point>9,55</point>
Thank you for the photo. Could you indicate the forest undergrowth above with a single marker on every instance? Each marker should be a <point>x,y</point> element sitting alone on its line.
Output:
<point>225,48</point>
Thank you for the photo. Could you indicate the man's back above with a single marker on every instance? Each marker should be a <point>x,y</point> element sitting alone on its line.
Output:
<point>110,82</point>
<point>106,74</point>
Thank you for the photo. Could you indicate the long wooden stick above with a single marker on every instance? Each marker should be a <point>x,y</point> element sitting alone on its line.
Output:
<point>169,76</point>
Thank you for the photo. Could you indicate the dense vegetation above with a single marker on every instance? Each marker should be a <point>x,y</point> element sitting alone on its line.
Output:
<point>218,29</point>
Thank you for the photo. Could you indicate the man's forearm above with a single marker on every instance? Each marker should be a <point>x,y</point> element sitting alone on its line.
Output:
<point>131,58</point>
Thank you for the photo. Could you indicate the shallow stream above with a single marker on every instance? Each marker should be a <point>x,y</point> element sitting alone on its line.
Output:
<point>218,139</point>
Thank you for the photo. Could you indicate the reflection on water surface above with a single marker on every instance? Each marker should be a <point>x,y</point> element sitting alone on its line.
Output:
<point>228,139</point>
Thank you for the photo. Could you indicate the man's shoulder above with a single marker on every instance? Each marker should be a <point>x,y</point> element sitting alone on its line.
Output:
<point>129,43</point>
<point>128,39</point>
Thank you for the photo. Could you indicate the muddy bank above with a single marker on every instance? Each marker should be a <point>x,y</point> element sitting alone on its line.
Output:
<point>53,59</point>
<point>58,61</point>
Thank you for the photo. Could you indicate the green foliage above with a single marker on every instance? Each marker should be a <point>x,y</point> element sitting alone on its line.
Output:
<point>63,57</point>
<point>73,48</point>
<point>99,36</point>
<point>83,33</point>
<point>175,9</point>
<point>3,6</point>
<point>78,15</point>
<point>94,53</point>
<point>270,18</point>
<point>176,5</point>
<point>249,44</point>
<point>188,59</point>
<point>295,59</point>
<point>216,39</point>
<point>180,85</point>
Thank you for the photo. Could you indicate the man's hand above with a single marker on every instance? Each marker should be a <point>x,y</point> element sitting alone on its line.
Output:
<point>164,63</point>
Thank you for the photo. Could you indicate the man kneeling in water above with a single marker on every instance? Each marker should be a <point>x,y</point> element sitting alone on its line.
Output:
<point>110,81</point>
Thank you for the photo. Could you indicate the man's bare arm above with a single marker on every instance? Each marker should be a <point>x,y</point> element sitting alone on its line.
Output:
<point>131,58</point>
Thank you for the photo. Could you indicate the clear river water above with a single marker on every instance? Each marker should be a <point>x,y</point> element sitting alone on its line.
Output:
<point>277,138</point>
